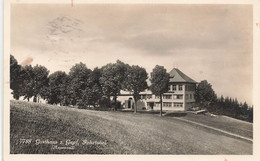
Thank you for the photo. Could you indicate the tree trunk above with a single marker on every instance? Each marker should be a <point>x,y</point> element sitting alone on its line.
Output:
<point>109,102</point>
<point>34,99</point>
<point>161,105</point>
<point>135,98</point>
<point>16,96</point>
<point>115,103</point>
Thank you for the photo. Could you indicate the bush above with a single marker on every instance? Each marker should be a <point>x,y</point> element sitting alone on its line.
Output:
<point>118,104</point>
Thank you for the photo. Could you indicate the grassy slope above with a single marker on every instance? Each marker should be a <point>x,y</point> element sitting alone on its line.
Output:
<point>124,132</point>
<point>224,123</point>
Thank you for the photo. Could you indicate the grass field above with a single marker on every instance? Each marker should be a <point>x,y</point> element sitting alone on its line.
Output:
<point>224,123</point>
<point>115,132</point>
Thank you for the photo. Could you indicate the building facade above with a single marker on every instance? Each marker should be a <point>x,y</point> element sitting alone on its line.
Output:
<point>179,97</point>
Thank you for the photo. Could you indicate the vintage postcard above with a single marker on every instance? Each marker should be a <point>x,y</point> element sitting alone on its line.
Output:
<point>131,80</point>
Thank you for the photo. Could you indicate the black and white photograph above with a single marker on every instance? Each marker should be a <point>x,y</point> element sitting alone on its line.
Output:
<point>127,79</point>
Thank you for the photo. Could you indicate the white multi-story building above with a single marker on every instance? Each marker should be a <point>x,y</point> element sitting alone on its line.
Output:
<point>180,95</point>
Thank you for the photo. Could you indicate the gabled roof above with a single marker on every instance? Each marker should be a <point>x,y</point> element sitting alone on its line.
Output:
<point>177,76</point>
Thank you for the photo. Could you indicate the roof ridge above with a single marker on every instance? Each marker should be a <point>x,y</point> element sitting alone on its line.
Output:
<point>181,75</point>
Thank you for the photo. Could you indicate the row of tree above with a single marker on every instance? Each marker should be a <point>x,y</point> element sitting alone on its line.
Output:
<point>207,98</point>
<point>82,86</point>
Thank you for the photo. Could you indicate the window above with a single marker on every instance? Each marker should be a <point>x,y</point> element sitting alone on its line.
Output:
<point>178,104</point>
<point>167,96</point>
<point>179,96</point>
<point>169,88</point>
<point>174,87</point>
<point>148,96</point>
<point>157,97</point>
<point>190,96</point>
<point>167,104</point>
<point>192,88</point>
<point>180,87</point>
<point>187,96</point>
<point>155,104</point>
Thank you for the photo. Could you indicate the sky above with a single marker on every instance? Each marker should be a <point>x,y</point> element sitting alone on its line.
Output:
<point>206,42</point>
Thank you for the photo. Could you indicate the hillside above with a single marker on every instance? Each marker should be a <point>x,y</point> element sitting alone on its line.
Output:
<point>110,132</point>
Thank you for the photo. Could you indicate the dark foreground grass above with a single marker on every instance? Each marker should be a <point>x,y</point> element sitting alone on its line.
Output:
<point>44,129</point>
<point>121,133</point>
